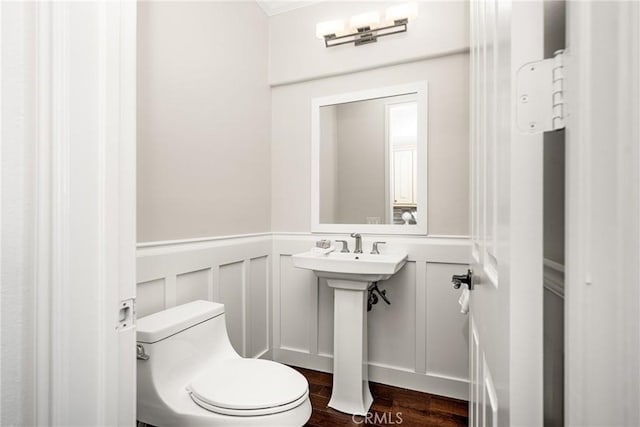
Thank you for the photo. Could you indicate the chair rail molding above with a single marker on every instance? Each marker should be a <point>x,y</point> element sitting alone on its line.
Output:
<point>233,270</point>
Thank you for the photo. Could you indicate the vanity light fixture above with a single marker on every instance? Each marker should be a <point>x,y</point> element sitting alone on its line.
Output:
<point>365,28</point>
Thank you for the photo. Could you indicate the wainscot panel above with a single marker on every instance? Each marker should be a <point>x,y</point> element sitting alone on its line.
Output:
<point>277,311</point>
<point>258,305</point>
<point>420,341</point>
<point>232,270</point>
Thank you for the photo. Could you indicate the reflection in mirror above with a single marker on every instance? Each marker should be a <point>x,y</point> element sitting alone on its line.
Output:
<point>370,160</point>
<point>402,131</point>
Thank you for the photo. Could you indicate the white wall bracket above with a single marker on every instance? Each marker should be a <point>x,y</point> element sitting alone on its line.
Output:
<point>540,96</point>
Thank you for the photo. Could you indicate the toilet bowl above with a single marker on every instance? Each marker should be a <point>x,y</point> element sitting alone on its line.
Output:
<point>190,375</point>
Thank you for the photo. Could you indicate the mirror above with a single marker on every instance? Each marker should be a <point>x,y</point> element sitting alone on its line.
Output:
<point>369,161</point>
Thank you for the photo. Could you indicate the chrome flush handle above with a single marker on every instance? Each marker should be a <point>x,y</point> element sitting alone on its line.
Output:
<point>140,354</point>
<point>345,246</point>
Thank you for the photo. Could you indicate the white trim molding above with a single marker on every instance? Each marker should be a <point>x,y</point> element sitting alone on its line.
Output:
<point>405,378</point>
<point>182,242</point>
<point>42,296</point>
<point>186,243</point>
<point>85,144</point>
<point>602,256</point>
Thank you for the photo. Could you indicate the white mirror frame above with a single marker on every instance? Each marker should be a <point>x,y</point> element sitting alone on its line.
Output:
<point>418,88</point>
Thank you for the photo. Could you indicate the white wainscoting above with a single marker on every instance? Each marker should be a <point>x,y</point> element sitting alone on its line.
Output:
<point>275,310</point>
<point>233,270</point>
<point>419,342</point>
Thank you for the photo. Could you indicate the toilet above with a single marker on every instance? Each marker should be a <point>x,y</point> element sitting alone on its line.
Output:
<point>190,375</point>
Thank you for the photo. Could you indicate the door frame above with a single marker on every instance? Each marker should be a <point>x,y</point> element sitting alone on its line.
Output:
<point>85,114</point>
<point>602,234</point>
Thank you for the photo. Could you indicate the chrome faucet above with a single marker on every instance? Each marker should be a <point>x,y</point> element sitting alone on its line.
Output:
<point>358,249</point>
<point>374,249</point>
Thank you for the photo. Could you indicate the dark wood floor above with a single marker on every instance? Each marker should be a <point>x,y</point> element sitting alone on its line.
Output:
<point>391,406</point>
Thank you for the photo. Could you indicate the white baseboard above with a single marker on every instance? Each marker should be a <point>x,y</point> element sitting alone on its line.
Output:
<point>457,388</point>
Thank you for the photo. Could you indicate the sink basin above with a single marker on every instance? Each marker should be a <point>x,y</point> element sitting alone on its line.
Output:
<point>350,266</point>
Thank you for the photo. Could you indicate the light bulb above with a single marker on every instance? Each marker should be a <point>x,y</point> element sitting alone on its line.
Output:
<point>329,27</point>
<point>368,19</point>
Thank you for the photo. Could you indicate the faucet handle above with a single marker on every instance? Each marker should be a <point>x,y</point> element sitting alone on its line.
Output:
<point>345,245</point>
<point>356,235</point>
<point>374,249</point>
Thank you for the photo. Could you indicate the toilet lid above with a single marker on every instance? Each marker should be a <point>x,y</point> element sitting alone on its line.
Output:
<point>249,387</point>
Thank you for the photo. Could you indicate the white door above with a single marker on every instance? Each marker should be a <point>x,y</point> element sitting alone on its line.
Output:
<point>82,58</point>
<point>507,248</point>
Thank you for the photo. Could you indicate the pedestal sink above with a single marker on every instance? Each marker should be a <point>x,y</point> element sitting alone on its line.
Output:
<point>350,275</point>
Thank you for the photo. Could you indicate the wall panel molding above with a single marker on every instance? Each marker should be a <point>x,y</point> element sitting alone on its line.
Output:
<point>234,270</point>
<point>422,302</point>
<point>277,311</point>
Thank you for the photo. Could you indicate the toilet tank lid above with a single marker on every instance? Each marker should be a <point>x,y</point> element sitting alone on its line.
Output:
<point>163,324</point>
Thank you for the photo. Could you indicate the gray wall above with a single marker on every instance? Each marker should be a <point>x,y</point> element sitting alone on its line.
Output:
<point>301,68</point>
<point>204,117</point>
<point>361,160</point>
<point>203,120</point>
<point>448,140</point>
<point>361,189</point>
<point>296,54</point>
<point>329,162</point>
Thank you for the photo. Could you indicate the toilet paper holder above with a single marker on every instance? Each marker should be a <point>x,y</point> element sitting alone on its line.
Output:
<point>459,279</point>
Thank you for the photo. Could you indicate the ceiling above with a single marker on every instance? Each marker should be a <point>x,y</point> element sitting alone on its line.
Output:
<point>276,7</point>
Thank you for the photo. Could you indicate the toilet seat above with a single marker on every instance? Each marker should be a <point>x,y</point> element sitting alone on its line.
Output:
<point>249,387</point>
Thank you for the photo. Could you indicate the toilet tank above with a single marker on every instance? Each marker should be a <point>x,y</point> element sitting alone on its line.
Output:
<point>181,341</point>
<point>163,324</point>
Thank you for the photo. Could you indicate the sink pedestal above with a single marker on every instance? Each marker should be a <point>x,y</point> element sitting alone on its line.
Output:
<point>351,392</point>
<point>350,274</point>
